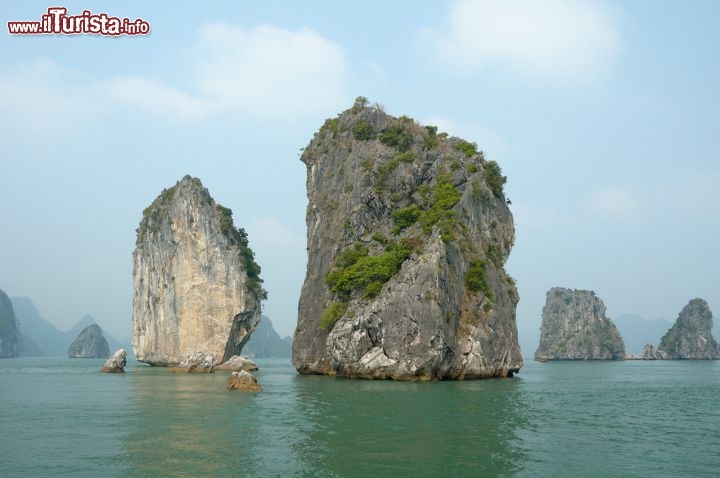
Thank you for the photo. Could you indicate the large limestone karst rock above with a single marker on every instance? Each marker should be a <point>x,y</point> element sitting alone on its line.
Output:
<point>690,337</point>
<point>10,343</point>
<point>90,343</point>
<point>574,327</point>
<point>196,284</point>
<point>407,234</point>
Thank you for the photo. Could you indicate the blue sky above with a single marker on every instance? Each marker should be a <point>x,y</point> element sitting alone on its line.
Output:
<point>603,115</point>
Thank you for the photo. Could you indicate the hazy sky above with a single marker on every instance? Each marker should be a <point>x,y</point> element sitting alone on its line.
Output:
<point>604,115</point>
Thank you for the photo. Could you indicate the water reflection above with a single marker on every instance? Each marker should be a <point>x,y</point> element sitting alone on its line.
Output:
<point>411,429</point>
<point>189,425</point>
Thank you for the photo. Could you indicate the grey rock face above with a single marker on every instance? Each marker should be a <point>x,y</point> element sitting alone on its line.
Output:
<point>197,362</point>
<point>116,363</point>
<point>237,364</point>
<point>407,234</point>
<point>574,327</point>
<point>10,342</point>
<point>196,284</point>
<point>90,343</point>
<point>691,335</point>
<point>649,352</point>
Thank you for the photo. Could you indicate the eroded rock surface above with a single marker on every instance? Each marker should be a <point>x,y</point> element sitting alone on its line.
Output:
<point>408,231</point>
<point>238,363</point>
<point>690,337</point>
<point>116,363</point>
<point>574,327</point>
<point>243,381</point>
<point>196,362</point>
<point>196,284</point>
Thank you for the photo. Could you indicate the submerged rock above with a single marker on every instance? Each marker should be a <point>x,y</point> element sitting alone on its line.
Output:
<point>10,341</point>
<point>407,234</point>
<point>196,362</point>
<point>196,283</point>
<point>243,381</point>
<point>238,363</point>
<point>574,327</point>
<point>116,363</point>
<point>90,343</point>
<point>690,337</point>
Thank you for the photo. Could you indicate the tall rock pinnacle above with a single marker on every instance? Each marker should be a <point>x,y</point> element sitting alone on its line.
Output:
<point>196,284</point>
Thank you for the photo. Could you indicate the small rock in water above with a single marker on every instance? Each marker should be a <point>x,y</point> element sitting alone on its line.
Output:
<point>238,363</point>
<point>244,382</point>
<point>197,362</point>
<point>116,363</point>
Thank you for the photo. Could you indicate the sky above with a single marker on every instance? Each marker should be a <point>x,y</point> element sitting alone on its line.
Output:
<point>603,115</point>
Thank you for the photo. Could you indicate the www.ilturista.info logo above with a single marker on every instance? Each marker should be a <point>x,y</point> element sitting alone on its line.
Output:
<point>58,22</point>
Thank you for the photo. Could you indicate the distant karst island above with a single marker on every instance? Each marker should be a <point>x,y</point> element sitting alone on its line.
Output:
<point>574,327</point>
<point>90,343</point>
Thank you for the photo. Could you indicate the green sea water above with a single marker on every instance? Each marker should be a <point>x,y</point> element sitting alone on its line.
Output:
<point>62,418</point>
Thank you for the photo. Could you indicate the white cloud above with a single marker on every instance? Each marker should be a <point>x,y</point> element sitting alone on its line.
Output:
<point>556,40</point>
<point>270,71</point>
<point>264,71</point>
<point>614,202</point>
<point>158,98</point>
<point>42,98</point>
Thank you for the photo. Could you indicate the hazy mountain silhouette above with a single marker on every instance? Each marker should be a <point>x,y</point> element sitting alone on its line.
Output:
<point>637,331</point>
<point>265,342</point>
<point>42,338</point>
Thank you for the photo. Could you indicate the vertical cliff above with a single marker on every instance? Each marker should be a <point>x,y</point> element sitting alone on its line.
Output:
<point>196,284</point>
<point>10,344</point>
<point>574,327</point>
<point>90,343</point>
<point>407,234</point>
<point>690,337</point>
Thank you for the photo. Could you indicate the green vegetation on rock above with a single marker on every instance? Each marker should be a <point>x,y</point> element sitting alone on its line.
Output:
<point>443,198</point>
<point>332,314</point>
<point>467,148</point>
<point>239,237</point>
<point>363,131</point>
<point>396,136</point>
<point>475,278</point>
<point>406,217</point>
<point>494,177</point>
<point>356,271</point>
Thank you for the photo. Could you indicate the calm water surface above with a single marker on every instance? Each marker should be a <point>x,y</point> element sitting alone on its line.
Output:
<point>61,417</point>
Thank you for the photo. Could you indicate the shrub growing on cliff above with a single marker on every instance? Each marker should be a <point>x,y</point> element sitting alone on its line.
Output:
<point>468,149</point>
<point>397,137</point>
<point>387,168</point>
<point>356,270</point>
<point>495,178</point>
<point>239,237</point>
<point>363,131</point>
<point>444,196</point>
<point>405,217</point>
<point>332,314</point>
<point>475,278</point>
